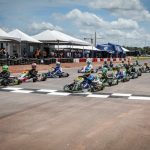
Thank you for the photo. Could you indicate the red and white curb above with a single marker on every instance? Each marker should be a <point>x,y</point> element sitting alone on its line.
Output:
<point>79,60</point>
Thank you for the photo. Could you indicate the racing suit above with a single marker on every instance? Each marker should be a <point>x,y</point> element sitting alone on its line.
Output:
<point>87,68</point>
<point>32,73</point>
<point>4,75</point>
<point>57,70</point>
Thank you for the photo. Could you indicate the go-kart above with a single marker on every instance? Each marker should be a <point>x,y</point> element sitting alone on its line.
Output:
<point>52,74</point>
<point>10,81</point>
<point>80,85</point>
<point>82,70</point>
<point>145,69</point>
<point>124,77</point>
<point>132,73</point>
<point>109,79</point>
<point>25,78</point>
<point>75,86</point>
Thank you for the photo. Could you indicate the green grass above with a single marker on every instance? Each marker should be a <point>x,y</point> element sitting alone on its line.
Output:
<point>141,58</point>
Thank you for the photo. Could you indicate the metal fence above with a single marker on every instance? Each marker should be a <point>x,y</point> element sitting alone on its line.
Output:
<point>26,61</point>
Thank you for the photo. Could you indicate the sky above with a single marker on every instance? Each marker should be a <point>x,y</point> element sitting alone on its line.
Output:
<point>125,22</point>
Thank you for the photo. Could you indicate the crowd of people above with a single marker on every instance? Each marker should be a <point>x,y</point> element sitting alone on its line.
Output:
<point>4,53</point>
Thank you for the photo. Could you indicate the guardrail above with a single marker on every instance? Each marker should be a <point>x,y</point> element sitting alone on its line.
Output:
<point>47,61</point>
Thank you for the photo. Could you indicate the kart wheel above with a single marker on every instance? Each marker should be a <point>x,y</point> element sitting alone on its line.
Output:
<point>66,88</point>
<point>34,79</point>
<point>110,83</point>
<point>4,82</point>
<point>117,82</point>
<point>124,80</point>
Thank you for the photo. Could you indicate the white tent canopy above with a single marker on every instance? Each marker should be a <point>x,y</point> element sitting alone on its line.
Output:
<point>6,37</point>
<point>57,36</point>
<point>124,49</point>
<point>77,47</point>
<point>24,37</point>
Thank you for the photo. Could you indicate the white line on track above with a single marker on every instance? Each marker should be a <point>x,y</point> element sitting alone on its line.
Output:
<point>121,94</point>
<point>98,96</point>
<point>22,91</point>
<point>46,90</point>
<point>139,98</point>
<point>59,94</point>
<point>12,88</point>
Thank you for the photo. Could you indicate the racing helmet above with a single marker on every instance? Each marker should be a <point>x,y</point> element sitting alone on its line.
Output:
<point>5,68</point>
<point>89,62</point>
<point>57,63</point>
<point>146,64</point>
<point>118,67</point>
<point>33,65</point>
<point>104,70</point>
<point>105,62</point>
<point>111,62</point>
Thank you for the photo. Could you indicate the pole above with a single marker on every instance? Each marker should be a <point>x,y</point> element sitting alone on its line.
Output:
<point>95,38</point>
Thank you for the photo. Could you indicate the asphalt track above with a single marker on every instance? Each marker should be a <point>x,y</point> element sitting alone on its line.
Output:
<point>42,121</point>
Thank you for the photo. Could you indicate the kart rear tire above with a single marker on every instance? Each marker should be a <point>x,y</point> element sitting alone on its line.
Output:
<point>4,82</point>
<point>66,88</point>
<point>110,83</point>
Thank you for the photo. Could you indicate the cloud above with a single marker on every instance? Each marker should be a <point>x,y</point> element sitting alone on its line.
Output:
<point>129,8</point>
<point>37,27</point>
<point>124,24</point>
<point>87,19</point>
<point>123,30</point>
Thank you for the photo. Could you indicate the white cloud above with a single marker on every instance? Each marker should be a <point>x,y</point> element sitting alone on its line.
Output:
<point>44,26</point>
<point>124,24</point>
<point>122,30</point>
<point>129,8</point>
<point>87,19</point>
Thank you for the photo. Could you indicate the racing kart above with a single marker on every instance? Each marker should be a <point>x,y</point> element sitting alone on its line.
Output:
<point>82,70</point>
<point>145,69</point>
<point>10,81</point>
<point>132,74</point>
<point>109,80</point>
<point>80,85</point>
<point>25,78</point>
<point>124,77</point>
<point>56,75</point>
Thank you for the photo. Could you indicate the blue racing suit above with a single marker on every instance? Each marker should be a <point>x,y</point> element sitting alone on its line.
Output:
<point>57,70</point>
<point>119,75</point>
<point>88,67</point>
<point>88,80</point>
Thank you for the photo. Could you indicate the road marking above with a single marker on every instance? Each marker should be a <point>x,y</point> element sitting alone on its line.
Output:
<point>12,88</point>
<point>46,90</point>
<point>98,96</point>
<point>82,94</point>
<point>59,93</point>
<point>121,94</point>
<point>139,98</point>
<point>22,91</point>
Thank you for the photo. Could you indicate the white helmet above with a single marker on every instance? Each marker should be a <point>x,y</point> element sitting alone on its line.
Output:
<point>57,63</point>
<point>88,62</point>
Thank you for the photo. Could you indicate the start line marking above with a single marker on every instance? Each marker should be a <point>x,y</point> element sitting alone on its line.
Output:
<point>86,94</point>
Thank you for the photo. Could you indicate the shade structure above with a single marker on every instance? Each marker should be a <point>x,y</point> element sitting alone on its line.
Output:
<point>78,47</point>
<point>53,36</point>
<point>24,37</point>
<point>111,48</point>
<point>5,37</point>
<point>124,49</point>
